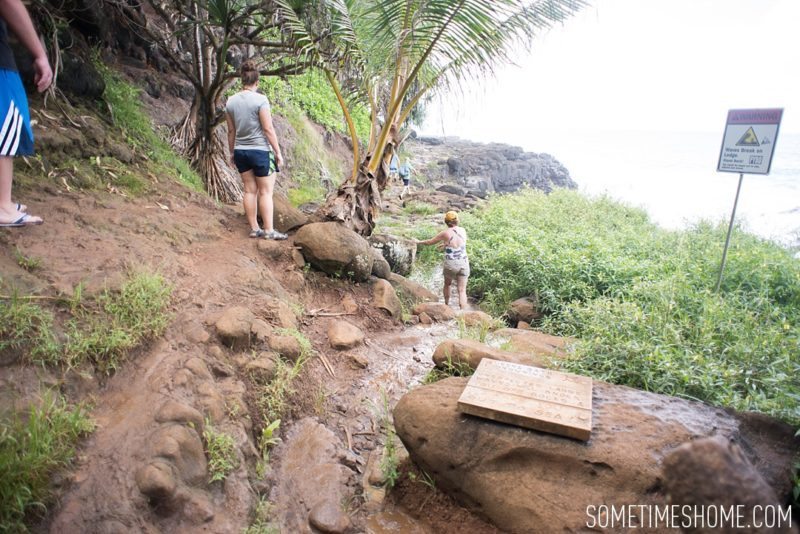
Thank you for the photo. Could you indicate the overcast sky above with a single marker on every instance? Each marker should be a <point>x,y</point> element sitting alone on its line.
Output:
<point>675,65</point>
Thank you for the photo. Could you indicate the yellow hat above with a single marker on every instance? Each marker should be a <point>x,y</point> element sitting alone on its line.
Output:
<point>450,216</point>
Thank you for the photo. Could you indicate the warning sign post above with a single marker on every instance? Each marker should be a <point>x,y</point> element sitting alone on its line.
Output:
<point>747,147</point>
<point>749,140</point>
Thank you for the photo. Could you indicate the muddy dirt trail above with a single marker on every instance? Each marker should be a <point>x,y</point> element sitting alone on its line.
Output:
<point>151,412</point>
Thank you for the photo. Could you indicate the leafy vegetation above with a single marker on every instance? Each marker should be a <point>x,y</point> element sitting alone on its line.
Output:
<point>122,101</point>
<point>102,330</point>
<point>32,448</point>
<point>640,299</point>
<point>273,396</point>
<point>311,93</point>
<point>221,452</point>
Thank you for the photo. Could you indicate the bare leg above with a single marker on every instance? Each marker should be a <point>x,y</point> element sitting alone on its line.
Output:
<point>461,284</point>
<point>266,186</point>
<point>447,282</point>
<point>249,201</point>
<point>8,209</point>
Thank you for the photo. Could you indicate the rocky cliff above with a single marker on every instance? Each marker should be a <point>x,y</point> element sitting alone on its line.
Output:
<point>460,166</point>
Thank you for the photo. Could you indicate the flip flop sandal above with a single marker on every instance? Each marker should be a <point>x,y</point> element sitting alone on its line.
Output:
<point>257,233</point>
<point>25,220</point>
<point>22,208</point>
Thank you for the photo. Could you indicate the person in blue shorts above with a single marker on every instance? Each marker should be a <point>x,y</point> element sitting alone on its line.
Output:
<point>16,135</point>
<point>254,150</point>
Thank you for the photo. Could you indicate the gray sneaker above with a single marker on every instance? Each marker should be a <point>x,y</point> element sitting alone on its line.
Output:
<point>276,235</point>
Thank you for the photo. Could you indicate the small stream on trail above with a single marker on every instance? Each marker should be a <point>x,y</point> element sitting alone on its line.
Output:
<point>336,456</point>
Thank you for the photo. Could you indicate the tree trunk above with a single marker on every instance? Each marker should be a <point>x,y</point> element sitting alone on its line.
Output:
<point>198,140</point>
<point>357,205</point>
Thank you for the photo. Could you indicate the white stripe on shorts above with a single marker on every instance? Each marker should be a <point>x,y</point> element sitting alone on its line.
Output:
<point>10,131</point>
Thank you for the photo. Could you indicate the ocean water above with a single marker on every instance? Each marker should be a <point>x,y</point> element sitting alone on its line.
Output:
<point>672,175</point>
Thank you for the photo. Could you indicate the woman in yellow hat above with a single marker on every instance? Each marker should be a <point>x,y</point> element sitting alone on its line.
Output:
<point>456,263</point>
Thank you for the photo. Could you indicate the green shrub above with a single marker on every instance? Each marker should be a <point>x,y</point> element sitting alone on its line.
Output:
<point>32,448</point>
<point>640,299</point>
<point>221,452</point>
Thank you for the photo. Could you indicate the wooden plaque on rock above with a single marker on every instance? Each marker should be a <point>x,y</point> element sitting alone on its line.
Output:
<point>530,397</point>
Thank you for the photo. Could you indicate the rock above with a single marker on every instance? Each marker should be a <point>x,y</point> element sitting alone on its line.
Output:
<point>452,189</point>
<point>298,259</point>
<point>529,481</point>
<point>522,325</point>
<point>286,217</point>
<point>173,411</point>
<point>156,481</point>
<point>398,252</point>
<point>411,290</point>
<point>327,516</point>
<point>197,508</point>
<point>263,366</point>
<point>284,315</point>
<point>424,318</point>
<point>525,309</point>
<point>478,318</point>
<point>349,304</point>
<point>198,368</point>
<point>470,352</point>
<point>384,297</point>
<point>272,251</point>
<point>714,472</point>
<point>336,250</point>
<point>182,446</point>
<point>287,346</point>
<point>261,330</point>
<point>380,267</point>
<point>531,341</point>
<point>233,327</point>
<point>343,335</point>
<point>195,333</point>
<point>79,77</point>
<point>359,361</point>
<point>437,311</point>
<point>497,167</point>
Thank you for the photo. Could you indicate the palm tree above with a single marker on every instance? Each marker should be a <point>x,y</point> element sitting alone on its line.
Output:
<point>391,54</point>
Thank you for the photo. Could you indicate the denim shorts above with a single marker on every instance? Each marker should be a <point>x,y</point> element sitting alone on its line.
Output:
<point>16,135</point>
<point>261,162</point>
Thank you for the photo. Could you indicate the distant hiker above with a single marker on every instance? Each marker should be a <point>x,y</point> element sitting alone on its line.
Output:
<point>16,135</point>
<point>394,164</point>
<point>254,150</point>
<point>456,263</point>
<point>405,174</point>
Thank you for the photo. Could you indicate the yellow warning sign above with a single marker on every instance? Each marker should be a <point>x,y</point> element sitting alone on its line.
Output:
<point>749,138</point>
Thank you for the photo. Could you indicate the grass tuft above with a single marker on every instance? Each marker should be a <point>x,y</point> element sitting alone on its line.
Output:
<point>221,452</point>
<point>32,448</point>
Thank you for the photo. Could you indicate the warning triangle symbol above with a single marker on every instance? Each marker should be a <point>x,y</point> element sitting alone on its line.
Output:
<point>749,138</point>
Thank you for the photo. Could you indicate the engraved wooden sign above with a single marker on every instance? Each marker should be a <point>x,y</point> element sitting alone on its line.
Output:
<point>530,397</point>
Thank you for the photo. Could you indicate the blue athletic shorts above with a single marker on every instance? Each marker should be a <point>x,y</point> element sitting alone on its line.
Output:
<point>261,162</point>
<point>16,135</point>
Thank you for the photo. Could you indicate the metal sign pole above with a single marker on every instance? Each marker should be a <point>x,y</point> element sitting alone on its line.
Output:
<point>728,239</point>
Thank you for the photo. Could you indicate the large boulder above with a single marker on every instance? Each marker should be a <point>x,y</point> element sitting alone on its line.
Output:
<point>532,341</point>
<point>398,252</point>
<point>525,309</point>
<point>385,298</point>
<point>343,335</point>
<point>410,290</point>
<point>715,473</point>
<point>285,216</point>
<point>438,311</point>
<point>470,352</point>
<point>336,250</point>
<point>528,481</point>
